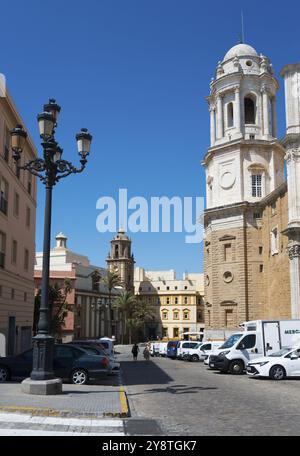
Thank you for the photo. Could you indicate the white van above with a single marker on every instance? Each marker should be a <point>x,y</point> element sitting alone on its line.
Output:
<point>183,347</point>
<point>257,338</point>
<point>202,352</point>
<point>163,348</point>
<point>154,349</point>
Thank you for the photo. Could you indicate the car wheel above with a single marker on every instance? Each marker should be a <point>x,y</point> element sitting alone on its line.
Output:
<point>195,358</point>
<point>79,377</point>
<point>277,373</point>
<point>4,374</point>
<point>236,367</point>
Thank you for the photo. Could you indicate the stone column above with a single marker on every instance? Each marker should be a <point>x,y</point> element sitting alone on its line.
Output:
<point>294,255</point>
<point>237,111</point>
<point>220,125</point>
<point>266,112</point>
<point>212,126</point>
<point>274,118</point>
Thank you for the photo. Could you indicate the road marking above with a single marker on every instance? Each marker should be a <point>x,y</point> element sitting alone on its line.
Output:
<point>32,432</point>
<point>21,418</point>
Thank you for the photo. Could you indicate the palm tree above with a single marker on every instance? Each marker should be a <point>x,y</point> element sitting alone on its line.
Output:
<point>125,302</point>
<point>142,313</point>
<point>111,281</point>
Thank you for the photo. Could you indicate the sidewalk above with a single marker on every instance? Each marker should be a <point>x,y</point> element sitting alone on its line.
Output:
<point>107,398</point>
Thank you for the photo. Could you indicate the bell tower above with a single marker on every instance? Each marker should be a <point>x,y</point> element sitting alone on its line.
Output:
<point>245,160</point>
<point>120,259</point>
<point>244,164</point>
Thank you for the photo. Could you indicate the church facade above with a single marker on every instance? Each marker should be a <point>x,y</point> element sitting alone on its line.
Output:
<point>250,237</point>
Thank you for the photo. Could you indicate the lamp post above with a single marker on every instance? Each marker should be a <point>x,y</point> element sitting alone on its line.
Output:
<point>49,169</point>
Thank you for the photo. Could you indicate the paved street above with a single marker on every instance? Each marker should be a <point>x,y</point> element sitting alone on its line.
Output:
<point>188,399</point>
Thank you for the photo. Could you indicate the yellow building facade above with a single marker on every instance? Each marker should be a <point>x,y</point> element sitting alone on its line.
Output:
<point>178,304</point>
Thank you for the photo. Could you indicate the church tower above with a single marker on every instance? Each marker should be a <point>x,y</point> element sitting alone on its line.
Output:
<point>244,164</point>
<point>121,260</point>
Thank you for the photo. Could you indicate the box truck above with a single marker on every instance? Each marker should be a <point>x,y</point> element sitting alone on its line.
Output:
<point>256,338</point>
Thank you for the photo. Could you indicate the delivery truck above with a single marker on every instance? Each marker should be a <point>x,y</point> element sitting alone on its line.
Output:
<point>256,338</point>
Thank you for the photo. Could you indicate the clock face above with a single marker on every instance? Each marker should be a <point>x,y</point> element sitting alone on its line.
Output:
<point>227,180</point>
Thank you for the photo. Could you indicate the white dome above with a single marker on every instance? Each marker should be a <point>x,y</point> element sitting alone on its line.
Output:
<point>239,50</point>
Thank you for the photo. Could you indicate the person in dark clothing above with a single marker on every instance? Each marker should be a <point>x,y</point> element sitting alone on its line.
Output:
<point>134,351</point>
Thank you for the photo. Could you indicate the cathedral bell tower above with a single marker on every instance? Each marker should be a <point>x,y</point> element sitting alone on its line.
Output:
<point>244,164</point>
<point>120,259</point>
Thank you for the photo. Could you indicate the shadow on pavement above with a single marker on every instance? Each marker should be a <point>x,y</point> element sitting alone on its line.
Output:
<point>143,373</point>
<point>176,390</point>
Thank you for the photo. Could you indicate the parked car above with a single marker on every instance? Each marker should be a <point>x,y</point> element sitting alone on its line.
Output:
<point>163,348</point>
<point>154,349</point>
<point>278,365</point>
<point>184,346</point>
<point>100,344</point>
<point>257,338</point>
<point>70,362</point>
<point>172,349</point>
<point>202,351</point>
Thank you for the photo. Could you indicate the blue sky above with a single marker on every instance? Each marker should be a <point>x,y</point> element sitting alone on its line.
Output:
<point>135,73</point>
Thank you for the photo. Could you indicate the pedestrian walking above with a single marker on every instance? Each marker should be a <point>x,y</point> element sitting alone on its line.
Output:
<point>146,353</point>
<point>135,350</point>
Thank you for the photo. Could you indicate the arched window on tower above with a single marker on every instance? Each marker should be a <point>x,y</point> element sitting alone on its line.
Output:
<point>249,107</point>
<point>229,115</point>
<point>116,251</point>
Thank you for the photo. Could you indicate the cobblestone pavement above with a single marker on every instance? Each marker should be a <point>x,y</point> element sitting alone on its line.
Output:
<point>95,399</point>
<point>190,399</point>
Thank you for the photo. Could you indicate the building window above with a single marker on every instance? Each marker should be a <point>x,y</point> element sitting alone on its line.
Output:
<point>176,300</point>
<point>185,300</point>
<point>12,293</point>
<point>261,268</point>
<point>158,301</point>
<point>25,296</point>
<point>6,145</point>
<point>3,196</point>
<point>227,252</point>
<point>200,316</point>
<point>176,288</point>
<point>28,217</point>
<point>229,323</point>
<point>168,288</point>
<point>165,315</point>
<point>26,260</point>
<point>175,332</point>
<point>185,288</point>
<point>249,108</point>
<point>16,204</point>
<point>230,115</point>
<point>29,183</point>
<point>257,215</point>
<point>176,315</point>
<point>273,209</point>
<point>186,315</point>
<point>14,252</point>
<point>256,185</point>
<point>165,332</point>
<point>274,241</point>
<point>168,300</point>
<point>158,288</point>
<point>260,250</point>
<point>2,249</point>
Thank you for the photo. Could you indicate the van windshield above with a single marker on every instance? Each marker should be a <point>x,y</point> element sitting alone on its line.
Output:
<point>231,340</point>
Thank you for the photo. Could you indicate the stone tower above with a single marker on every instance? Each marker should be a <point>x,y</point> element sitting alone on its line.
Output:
<point>291,75</point>
<point>121,260</point>
<point>244,164</point>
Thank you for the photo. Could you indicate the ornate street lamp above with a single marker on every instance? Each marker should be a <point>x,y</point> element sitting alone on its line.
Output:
<point>49,169</point>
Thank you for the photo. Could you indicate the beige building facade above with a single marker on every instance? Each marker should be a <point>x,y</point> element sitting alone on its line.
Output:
<point>247,245</point>
<point>17,236</point>
<point>177,304</point>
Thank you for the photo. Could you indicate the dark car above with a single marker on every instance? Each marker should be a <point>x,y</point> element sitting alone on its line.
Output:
<point>172,349</point>
<point>94,344</point>
<point>75,364</point>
